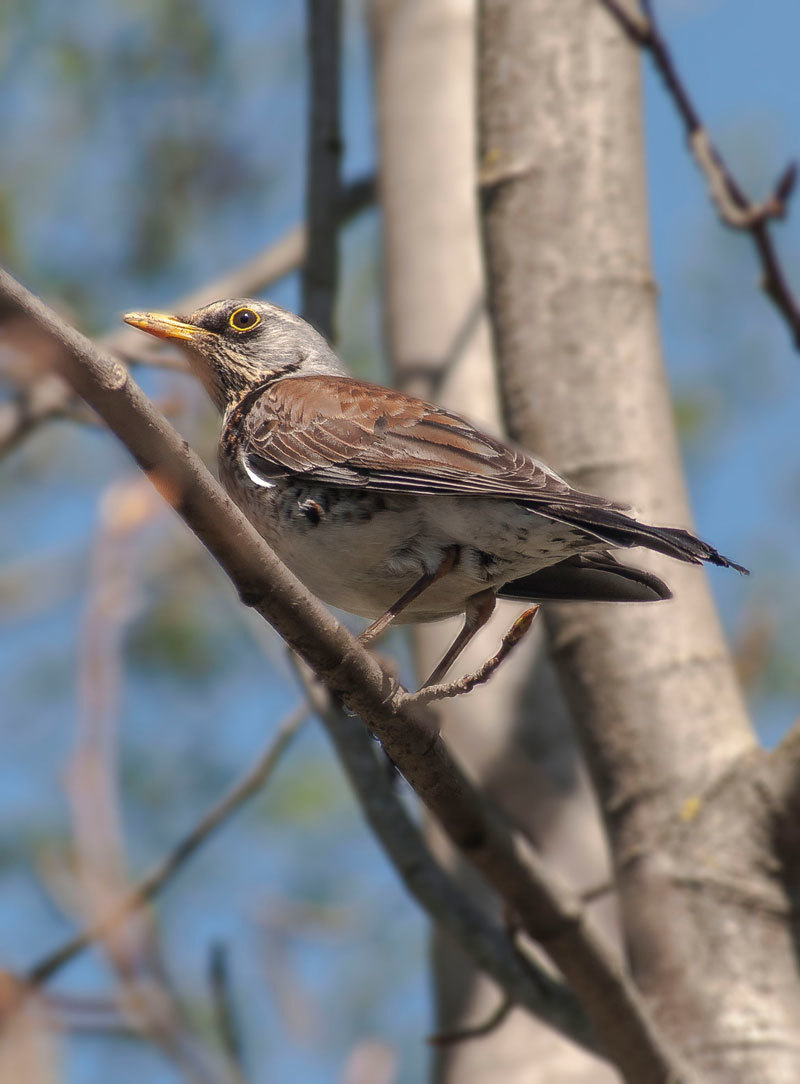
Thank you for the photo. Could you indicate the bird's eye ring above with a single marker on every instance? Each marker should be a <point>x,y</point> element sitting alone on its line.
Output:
<point>244,319</point>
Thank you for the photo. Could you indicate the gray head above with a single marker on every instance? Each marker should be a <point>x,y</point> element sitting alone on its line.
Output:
<point>235,346</point>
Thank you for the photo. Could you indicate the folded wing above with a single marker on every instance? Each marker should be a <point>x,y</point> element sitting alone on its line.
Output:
<point>343,432</point>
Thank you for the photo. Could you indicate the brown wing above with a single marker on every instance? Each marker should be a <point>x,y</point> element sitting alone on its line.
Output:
<point>349,433</point>
<point>344,432</point>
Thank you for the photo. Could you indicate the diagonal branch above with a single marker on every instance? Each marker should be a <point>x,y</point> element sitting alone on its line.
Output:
<point>524,982</point>
<point>163,872</point>
<point>477,1031</point>
<point>45,399</point>
<point>548,912</point>
<point>734,207</point>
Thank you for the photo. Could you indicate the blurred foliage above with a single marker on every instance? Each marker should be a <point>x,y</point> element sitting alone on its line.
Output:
<point>694,413</point>
<point>178,637</point>
<point>311,793</point>
<point>150,108</point>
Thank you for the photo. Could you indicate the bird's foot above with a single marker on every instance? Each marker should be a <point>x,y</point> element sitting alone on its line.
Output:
<point>444,691</point>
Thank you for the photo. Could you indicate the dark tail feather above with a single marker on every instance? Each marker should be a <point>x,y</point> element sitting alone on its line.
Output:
<point>620,530</point>
<point>595,578</point>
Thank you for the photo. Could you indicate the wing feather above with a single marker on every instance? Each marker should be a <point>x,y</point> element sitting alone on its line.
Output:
<point>342,432</point>
<point>345,432</point>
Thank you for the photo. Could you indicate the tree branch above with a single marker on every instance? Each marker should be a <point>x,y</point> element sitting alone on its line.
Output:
<point>477,1031</point>
<point>547,910</point>
<point>736,210</point>
<point>222,1003</point>
<point>320,271</point>
<point>523,982</point>
<point>163,872</point>
<point>44,399</point>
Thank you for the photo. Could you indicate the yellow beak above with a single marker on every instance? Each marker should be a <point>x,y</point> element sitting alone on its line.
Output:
<point>164,326</point>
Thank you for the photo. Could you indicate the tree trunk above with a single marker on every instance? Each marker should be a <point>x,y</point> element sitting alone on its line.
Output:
<point>513,734</point>
<point>651,688</point>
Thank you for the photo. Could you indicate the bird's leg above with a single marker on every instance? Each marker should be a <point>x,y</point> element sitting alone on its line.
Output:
<point>426,580</point>
<point>480,608</point>
<point>430,692</point>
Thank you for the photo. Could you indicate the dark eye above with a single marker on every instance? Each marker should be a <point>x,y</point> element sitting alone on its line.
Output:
<point>244,319</point>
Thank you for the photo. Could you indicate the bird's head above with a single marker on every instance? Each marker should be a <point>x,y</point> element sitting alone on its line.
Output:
<point>235,346</point>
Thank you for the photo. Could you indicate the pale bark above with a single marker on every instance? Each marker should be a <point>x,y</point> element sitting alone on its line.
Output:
<point>513,735</point>
<point>651,688</point>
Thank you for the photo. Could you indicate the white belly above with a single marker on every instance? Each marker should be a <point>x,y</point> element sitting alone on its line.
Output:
<point>361,551</point>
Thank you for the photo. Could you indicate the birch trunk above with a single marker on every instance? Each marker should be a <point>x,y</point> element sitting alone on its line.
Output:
<point>651,688</point>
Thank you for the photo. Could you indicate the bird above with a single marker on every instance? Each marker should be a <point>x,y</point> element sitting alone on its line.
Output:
<point>388,506</point>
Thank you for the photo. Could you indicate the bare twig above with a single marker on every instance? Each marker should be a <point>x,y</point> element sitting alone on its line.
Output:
<point>227,1025</point>
<point>548,911</point>
<point>42,400</point>
<point>734,207</point>
<point>479,1031</point>
<point>424,377</point>
<point>490,946</point>
<point>71,1012</point>
<point>480,676</point>
<point>144,994</point>
<point>27,1051</point>
<point>598,892</point>
<point>160,875</point>
<point>320,271</point>
<point>92,774</point>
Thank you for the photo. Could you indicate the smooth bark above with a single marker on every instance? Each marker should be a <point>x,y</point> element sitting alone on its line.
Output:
<point>651,688</point>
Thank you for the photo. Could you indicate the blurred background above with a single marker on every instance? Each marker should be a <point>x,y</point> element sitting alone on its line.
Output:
<point>148,147</point>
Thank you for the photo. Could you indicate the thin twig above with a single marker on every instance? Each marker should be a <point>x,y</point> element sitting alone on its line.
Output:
<point>143,992</point>
<point>480,676</point>
<point>42,400</point>
<point>320,270</point>
<point>490,947</point>
<point>425,377</point>
<point>221,999</point>
<point>84,1013</point>
<point>736,210</point>
<point>92,774</point>
<point>478,1031</point>
<point>159,876</point>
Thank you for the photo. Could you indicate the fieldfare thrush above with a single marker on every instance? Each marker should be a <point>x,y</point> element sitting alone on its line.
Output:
<point>390,507</point>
